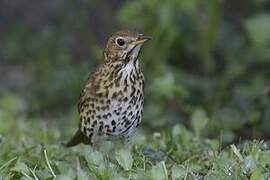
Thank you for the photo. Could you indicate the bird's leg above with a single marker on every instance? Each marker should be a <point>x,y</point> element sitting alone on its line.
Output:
<point>95,144</point>
<point>95,147</point>
<point>128,144</point>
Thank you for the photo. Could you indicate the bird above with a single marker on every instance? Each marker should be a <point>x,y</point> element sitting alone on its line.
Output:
<point>110,105</point>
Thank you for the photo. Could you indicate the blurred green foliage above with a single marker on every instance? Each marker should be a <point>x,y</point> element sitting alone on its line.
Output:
<point>207,66</point>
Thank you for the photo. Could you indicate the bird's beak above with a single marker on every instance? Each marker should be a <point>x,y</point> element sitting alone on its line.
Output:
<point>142,39</point>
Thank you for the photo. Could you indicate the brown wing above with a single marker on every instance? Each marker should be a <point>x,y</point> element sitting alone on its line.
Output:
<point>84,95</point>
<point>89,89</point>
<point>81,101</point>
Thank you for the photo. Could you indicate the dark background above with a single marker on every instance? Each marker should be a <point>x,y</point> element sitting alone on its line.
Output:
<point>208,58</point>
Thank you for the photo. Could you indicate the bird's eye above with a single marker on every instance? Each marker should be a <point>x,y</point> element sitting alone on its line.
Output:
<point>120,41</point>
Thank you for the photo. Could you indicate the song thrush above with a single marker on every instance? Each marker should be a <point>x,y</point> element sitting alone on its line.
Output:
<point>111,104</point>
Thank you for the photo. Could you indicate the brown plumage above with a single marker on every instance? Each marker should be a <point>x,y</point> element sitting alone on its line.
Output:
<point>111,104</point>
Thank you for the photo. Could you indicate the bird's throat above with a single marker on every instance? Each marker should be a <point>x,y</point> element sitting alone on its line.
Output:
<point>133,54</point>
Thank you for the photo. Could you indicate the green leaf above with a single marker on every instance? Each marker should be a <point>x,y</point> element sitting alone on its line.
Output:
<point>63,177</point>
<point>188,6</point>
<point>164,85</point>
<point>258,29</point>
<point>124,158</point>
<point>157,172</point>
<point>20,167</point>
<point>199,120</point>
<point>81,175</point>
<point>178,172</point>
<point>250,162</point>
<point>256,175</point>
<point>65,170</point>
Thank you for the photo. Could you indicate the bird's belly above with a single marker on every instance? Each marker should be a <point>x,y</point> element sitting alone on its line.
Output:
<point>114,114</point>
<point>128,116</point>
<point>126,113</point>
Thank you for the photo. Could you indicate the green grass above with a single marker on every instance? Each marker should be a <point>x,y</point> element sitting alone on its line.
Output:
<point>31,149</point>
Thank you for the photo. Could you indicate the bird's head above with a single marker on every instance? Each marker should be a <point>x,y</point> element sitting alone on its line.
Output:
<point>124,46</point>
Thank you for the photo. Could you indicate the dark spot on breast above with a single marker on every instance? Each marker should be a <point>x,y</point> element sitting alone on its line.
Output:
<point>124,112</point>
<point>125,99</point>
<point>137,113</point>
<point>100,94</point>
<point>90,135</point>
<point>133,91</point>
<point>126,130</point>
<point>125,88</point>
<point>113,122</point>
<point>125,81</point>
<point>103,108</point>
<point>140,98</point>
<point>133,100</point>
<point>106,93</point>
<point>130,113</point>
<point>98,116</point>
<point>114,95</point>
<point>134,77</point>
<point>116,112</point>
<point>100,130</point>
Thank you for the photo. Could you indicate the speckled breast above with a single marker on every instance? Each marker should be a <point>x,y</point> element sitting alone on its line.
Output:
<point>115,108</point>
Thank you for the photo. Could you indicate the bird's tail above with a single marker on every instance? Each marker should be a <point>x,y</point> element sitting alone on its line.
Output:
<point>76,139</point>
